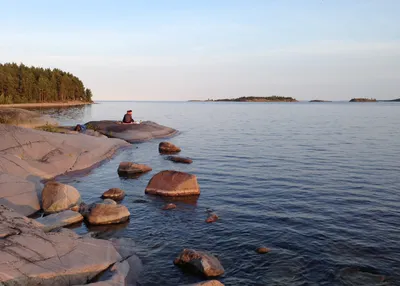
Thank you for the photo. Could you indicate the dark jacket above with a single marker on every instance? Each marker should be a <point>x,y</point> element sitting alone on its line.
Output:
<point>127,118</point>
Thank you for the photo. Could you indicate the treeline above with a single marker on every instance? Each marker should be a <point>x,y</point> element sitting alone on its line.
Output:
<point>259,98</point>
<point>22,84</point>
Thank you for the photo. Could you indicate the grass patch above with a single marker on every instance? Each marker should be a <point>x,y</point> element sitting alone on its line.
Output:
<point>50,128</point>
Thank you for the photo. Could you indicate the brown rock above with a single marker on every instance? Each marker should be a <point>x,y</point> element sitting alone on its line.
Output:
<point>169,207</point>
<point>212,218</point>
<point>178,159</point>
<point>207,283</point>
<point>29,256</point>
<point>58,197</point>
<point>199,262</point>
<point>108,214</point>
<point>109,202</point>
<point>114,194</point>
<point>262,250</point>
<point>60,219</point>
<point>168,148</point>
<point>129,168</point>
<point>172,184</point>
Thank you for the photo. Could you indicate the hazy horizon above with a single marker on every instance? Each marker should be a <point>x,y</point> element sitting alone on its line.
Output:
<point>184,50</point>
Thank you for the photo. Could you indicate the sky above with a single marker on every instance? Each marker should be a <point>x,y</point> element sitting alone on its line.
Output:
<point>183,49</point>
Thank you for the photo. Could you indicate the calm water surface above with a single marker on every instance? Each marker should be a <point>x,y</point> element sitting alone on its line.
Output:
<point>318,183</point>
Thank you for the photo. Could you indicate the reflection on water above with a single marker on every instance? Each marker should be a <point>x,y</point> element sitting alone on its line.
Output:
<point>318,184</point>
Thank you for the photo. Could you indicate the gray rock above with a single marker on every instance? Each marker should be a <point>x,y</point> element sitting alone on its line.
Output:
<point>29,256</point>
<point>199,262</point>
<point>28,155</point>
<point>61,219</point>
<point>131,133</point>
<point>109,202</point>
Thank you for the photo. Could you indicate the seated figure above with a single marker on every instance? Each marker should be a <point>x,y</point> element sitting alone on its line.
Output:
<point>128,117</point>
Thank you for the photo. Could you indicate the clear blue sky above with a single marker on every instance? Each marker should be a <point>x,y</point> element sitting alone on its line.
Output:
<point>179,50</point>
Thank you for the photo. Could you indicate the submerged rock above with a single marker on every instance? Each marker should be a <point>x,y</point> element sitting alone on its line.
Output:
<point>30,256</point>
<point>58,197</point>
<point>207,283</point>
<point>132,169</point>
<point>178,159</point>
<point>131,133</point>
<point>262,250</point>
<point>114,194</point>
<point>108,214</point>
<point>199,262</point>
<point>168,148</point>
<point>169,207</point>
<point>173,183</point>
<point>60,219</point>
<point>212,218</point>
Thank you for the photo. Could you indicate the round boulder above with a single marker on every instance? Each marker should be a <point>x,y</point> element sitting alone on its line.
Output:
<point>57,197</point>
<point>108,214</point>
<point>178,159</point>
<point>199,262</point>
<point>114,194</point>
<point>109,202</point>
<point>129,169</point>
<point>173,184</point>
<point>168,148</point>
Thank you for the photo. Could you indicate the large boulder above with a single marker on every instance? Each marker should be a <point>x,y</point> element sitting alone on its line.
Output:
<point>61,219</point>
<point>132,169</point>
<point>24,118</point>
<point>58,197</point>
<point>173,184</point>
<point>199,262</point>
<point>132,133</point>
<point>29,256</point>
<point>19,194</point>
<point>108,214</point>
<point>168,148</point>
<point>114,194</point>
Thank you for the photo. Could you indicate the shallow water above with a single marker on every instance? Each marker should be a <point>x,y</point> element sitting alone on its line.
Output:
<point>318,183</point>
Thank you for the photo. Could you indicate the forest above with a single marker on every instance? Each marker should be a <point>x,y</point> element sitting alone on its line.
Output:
<point>23,84</point>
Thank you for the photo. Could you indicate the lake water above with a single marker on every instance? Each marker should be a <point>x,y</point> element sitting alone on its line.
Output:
<point>317,183</point>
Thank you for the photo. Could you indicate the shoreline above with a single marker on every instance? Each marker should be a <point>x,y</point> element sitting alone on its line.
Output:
<point>45,104</point>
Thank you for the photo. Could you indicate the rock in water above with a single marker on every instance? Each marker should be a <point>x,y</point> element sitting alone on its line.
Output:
<point>262,250</point>
<point>109,202</point>
<point>132,133</point>
<point>199,262</point>
<point>60,219</point>
<point>169,207</point>
<point>129,169</point>
<point>108,214</point>
<point>207,283</point>
<point>29,256</point>
<point>212,218</point>
<point>173,184</point>
<point>178,159</point>
<point>168,148</point>
<point>58,197</point>
<point>114,194</point>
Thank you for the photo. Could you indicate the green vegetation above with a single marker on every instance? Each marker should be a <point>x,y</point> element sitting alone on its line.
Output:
<point>22,84</point>
<point>260,99</point>
<point>50,128</point>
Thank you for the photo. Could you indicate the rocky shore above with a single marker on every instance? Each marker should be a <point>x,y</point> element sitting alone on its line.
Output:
<point>42,251</point>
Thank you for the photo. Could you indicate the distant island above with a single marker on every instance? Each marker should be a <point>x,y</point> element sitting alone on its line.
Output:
<point>363,99</point>
<point>395,99</point>
<point>252,99</point>
<point>319,100</point>
<point>20,84</point>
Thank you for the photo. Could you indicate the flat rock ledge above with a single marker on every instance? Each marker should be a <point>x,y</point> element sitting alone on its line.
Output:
<point>132,133</point>
<point>173,184</point>
<point>61,219</point>
<point>199,262</point>
<point>29,256</point>
<point>28,156</point>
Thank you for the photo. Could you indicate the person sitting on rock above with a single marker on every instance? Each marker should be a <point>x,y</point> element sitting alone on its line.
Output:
<point>128,117</point>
